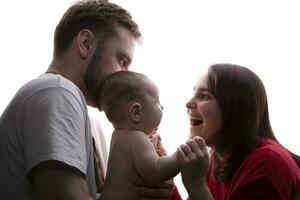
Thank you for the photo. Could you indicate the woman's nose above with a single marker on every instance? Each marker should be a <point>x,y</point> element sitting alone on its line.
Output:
<point>190,104</point>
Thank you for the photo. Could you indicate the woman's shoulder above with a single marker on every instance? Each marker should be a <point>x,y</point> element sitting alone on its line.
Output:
<point>270,152</point>
<point>268,170</point>
<point>269,158</point>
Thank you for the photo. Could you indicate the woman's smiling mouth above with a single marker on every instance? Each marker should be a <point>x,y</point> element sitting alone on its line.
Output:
<point>196,121</point>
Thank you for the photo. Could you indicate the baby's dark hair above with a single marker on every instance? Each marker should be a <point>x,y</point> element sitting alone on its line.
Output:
<point>119,89</point>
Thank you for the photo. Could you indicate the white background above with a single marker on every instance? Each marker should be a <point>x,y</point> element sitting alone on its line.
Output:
<point>181,39</point>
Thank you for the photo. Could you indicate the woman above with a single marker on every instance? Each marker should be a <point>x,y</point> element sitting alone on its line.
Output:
<point>229,110</point>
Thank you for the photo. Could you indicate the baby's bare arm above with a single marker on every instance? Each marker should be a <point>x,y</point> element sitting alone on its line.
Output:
<point>150,166</point>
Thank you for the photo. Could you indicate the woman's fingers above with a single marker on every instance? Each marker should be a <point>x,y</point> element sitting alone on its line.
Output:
<point>194,159</point>
<point>194,146</point>
<point>197,148</point>
<point>186,149</point>
<point>200,141</point>
<point>193,151</point>
<point>181,155</point>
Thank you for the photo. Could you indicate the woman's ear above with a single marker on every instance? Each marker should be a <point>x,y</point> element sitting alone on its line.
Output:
<point>135,112</point>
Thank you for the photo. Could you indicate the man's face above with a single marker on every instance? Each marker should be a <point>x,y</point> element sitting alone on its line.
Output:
<point>112,55</point>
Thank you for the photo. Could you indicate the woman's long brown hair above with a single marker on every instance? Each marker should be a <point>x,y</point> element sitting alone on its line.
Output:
<point>243,102</point>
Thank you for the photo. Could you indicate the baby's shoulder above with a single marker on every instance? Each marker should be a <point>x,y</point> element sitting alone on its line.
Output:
<point>129,136</point>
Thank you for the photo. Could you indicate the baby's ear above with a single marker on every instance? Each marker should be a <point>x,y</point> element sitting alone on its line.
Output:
<point>135,112</point>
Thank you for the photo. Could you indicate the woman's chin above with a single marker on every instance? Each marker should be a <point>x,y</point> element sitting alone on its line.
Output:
<point>194,131</point>
<point>193,134</point>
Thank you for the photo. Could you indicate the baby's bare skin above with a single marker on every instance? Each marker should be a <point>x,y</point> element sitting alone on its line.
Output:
<point>131,155</point>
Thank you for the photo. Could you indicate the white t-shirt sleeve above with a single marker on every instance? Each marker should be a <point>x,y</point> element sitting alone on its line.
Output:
<point>98,135</point>
<point>54,129</point>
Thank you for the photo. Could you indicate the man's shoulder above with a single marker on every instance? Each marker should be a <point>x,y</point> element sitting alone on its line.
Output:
<point>49,85</point>
<point>46,81</point>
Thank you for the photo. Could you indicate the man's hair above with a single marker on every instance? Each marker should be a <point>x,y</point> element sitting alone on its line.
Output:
<point>99,16</point>
<point>242,98</point>
<point>119,89</point>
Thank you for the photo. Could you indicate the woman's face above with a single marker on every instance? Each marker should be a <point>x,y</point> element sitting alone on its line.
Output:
<point>204,113</point>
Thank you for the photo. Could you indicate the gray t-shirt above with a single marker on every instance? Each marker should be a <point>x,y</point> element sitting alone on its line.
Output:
<point>46,120</point>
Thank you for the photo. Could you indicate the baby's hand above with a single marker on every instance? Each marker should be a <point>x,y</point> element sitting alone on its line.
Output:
<point>156,141</point>
<point>194,160</point>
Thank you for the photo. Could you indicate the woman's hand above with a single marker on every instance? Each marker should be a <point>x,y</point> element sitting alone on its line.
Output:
<point>194,161</point>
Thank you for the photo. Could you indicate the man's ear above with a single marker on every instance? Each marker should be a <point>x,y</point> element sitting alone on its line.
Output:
<point>85,42</point>
<point>135,112</point>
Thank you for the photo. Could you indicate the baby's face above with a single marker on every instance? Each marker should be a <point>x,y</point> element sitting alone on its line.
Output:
<point>152,110</point>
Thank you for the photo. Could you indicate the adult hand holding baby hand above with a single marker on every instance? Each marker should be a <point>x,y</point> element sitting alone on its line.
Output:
<point>194,161</point>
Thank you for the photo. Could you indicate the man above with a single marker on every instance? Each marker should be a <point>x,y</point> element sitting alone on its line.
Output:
<point>46,146</point>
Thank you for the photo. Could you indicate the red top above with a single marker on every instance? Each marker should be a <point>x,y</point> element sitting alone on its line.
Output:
<point>175,194</point>
<point>267,173</point>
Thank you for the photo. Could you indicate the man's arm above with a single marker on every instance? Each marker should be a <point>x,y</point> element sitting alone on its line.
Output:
<point>54,136</point>
<point>147,191</point>
<point>56,180</point>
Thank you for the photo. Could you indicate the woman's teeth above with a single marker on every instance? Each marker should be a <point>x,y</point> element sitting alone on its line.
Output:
<point>196,122</point>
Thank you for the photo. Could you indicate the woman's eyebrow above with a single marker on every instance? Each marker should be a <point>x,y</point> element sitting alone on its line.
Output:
<point>201,90</point>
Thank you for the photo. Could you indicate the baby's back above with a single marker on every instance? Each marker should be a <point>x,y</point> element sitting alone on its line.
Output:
<point>119,182</point>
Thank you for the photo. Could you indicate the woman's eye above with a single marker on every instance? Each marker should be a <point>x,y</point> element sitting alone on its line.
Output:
<point>204,97</point>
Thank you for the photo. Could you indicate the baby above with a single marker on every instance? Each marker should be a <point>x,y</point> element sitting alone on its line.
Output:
<point>130,101</point>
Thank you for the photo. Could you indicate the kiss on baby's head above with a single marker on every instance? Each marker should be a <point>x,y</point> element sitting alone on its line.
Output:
<point>130,100</point>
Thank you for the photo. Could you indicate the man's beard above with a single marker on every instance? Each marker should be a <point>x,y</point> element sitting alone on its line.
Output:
<point>91,79</point>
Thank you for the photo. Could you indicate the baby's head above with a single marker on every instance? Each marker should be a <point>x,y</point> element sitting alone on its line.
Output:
<point>130,100</point>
